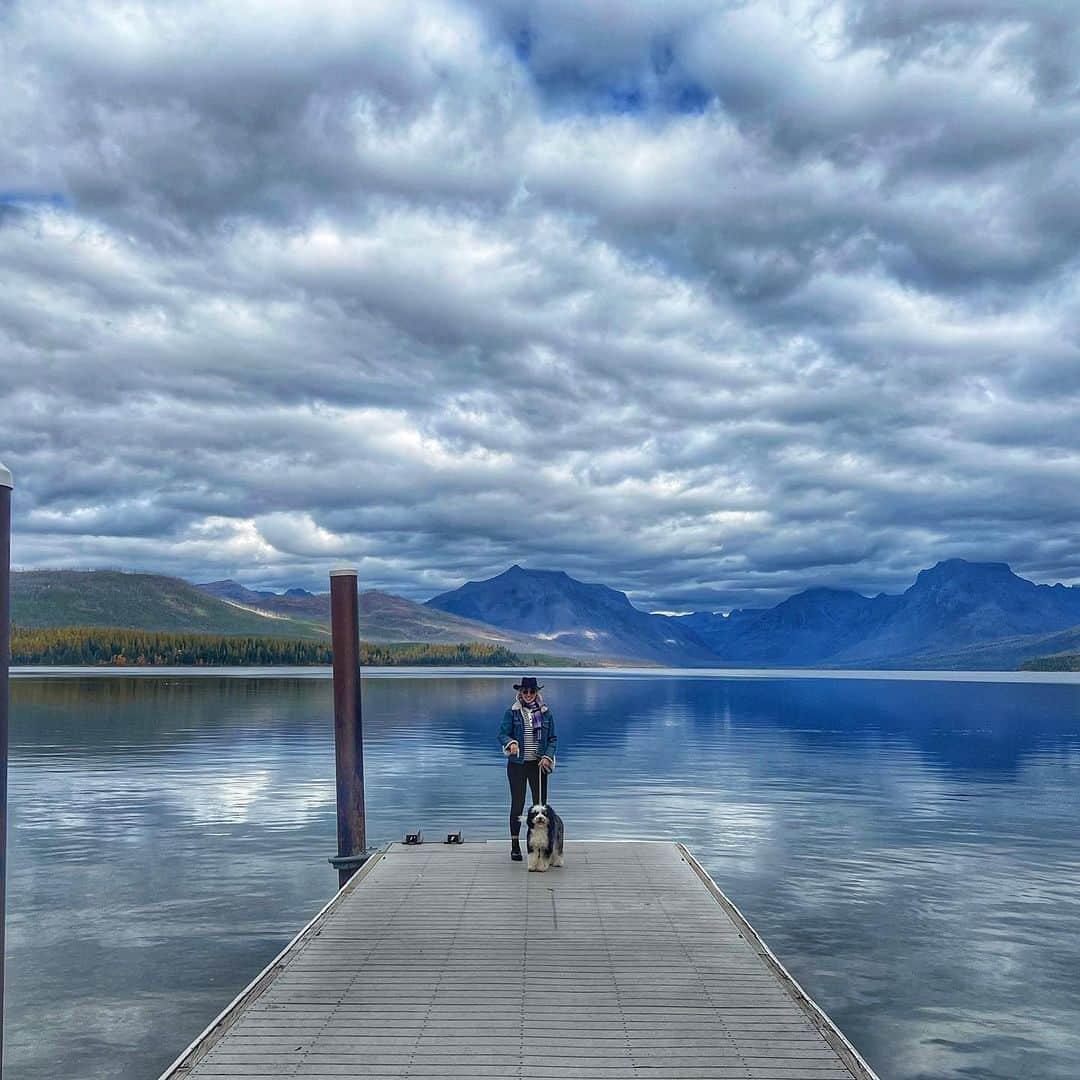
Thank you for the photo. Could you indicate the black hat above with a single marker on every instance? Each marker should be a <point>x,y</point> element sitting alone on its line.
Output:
<point>528,682</point>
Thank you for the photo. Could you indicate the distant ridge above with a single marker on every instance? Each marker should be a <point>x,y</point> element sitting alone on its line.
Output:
<point>950,617</point>
<point>292,603</point>
<point>383,617</point>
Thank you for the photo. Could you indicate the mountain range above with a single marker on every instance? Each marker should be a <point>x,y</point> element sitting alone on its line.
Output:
<point>952,611</point>
<point>956,615</point>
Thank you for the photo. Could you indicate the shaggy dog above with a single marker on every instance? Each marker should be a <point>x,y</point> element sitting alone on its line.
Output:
<point>544,840</point>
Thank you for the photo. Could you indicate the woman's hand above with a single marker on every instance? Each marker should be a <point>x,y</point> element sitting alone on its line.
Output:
<point>511,748</point>
<point>547,764</point>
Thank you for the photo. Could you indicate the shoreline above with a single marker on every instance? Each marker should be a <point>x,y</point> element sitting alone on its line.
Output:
<point>400,672</point>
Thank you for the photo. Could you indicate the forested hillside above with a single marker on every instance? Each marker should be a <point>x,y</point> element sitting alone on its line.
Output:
<point>119,647</point>
<point>106,598</point>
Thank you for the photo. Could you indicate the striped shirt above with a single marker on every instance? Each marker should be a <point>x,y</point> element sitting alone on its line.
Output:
<point>528,736</point>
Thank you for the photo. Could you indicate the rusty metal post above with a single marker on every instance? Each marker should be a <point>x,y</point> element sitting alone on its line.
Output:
<point>348,723</point>
<point>5,656</point>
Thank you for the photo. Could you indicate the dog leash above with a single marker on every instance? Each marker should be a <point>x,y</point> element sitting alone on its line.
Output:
<point>544,784</point>
<point>544,792</point>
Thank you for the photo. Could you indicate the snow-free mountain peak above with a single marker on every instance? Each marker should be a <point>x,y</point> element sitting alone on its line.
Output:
<point>570,613</point>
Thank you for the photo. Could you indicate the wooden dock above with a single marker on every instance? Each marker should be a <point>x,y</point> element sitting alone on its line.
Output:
<point>635,965</point>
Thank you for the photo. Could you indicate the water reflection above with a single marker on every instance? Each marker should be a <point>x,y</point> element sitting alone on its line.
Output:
<point>909,849</point>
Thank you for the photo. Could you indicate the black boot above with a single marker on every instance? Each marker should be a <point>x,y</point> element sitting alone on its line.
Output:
<point>515,849</point>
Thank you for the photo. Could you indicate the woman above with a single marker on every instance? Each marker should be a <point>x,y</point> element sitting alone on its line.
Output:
<point>528,739</point>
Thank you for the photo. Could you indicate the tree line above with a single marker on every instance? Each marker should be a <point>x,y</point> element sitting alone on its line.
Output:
<point>91,646</point>
<point>1059,662</point>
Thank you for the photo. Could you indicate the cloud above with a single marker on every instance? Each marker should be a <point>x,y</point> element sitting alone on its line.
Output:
<point>707,302</point>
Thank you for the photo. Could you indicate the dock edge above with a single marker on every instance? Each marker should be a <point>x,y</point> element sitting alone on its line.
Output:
<point>201,1045</point>
<point>847,1053</point>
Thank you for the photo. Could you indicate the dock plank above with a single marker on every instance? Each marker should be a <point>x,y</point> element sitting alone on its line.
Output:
<point>634,965</point>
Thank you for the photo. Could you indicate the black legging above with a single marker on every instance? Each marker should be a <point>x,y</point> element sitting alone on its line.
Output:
<point>518,772</point>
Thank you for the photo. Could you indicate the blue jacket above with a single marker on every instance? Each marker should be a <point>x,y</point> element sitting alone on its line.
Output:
<point>513,729</point>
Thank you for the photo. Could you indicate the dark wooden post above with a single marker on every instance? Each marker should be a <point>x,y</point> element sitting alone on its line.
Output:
<point>348,723</point>
<point>5,656</point>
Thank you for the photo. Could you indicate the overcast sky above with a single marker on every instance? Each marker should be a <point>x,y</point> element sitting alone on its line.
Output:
<point>707,301</point>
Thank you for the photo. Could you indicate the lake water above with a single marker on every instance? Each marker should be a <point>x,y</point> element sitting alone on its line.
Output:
<point>909,848</point>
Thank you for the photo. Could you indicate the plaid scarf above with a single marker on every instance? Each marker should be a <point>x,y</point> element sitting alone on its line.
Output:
<point>535,711</point>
